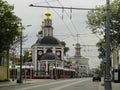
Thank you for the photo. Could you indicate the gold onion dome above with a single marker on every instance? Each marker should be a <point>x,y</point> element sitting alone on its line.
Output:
<point>48,14</point>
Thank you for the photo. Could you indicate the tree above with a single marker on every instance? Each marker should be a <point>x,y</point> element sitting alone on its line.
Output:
<point>66,49</point>
<point>100,47</point>
<point>9,25</point>
<point>102,67</point>
<point>97,21</point>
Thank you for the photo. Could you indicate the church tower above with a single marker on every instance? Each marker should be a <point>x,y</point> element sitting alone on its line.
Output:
<point>47,28</point>
<point>77,50</point>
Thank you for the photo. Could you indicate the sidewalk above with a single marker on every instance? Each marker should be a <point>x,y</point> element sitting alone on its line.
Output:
<point>115,86</point>
<point>27,81</point>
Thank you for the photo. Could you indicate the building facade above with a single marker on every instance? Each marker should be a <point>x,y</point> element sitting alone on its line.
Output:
<point>115,64</point>
<point>82,66</point>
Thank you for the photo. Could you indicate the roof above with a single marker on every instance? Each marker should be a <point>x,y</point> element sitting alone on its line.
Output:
<point>48,40</point>
<point>49,56</point>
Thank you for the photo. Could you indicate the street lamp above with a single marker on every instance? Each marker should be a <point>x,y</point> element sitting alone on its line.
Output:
<point>20,76</point>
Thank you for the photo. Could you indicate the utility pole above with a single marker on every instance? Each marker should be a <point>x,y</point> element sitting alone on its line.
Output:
<point>20,76</point>
<point>107,79</point>
<point>21,61</point>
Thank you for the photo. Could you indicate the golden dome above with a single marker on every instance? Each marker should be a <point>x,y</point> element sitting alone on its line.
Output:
<point>48,14</point>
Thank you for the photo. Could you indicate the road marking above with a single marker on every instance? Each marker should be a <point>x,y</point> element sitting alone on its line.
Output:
<point>63,86</point>
<point>36,86</point>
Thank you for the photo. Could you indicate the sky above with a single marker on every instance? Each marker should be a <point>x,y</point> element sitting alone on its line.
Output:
<point>65,28</point>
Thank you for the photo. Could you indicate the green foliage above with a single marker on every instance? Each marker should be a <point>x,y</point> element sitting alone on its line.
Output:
<point>97,21</point>
<point>63,43</point>
<point>66,49</point>
<point>102,67</point>
<point>9,25</point>
<point>100,48</point>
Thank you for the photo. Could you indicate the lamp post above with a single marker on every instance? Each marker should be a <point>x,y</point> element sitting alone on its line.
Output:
<point>107,79</point>
<point>20,76</point>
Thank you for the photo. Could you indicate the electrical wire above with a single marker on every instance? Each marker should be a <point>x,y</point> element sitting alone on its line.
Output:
<point>68,16</point>
<point>70,20</point>
<point>60,18</point>
<point>73,35</point>
<point>63,8</point>
<point>45,2</point>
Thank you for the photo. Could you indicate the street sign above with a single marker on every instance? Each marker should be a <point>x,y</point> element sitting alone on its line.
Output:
<point>104,53</point>
<point>104,61</point>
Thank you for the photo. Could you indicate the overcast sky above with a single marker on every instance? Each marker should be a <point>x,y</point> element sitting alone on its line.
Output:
<point>65,29</point>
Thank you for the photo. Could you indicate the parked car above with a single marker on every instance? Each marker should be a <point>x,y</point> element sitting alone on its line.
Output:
<point>96,77</point>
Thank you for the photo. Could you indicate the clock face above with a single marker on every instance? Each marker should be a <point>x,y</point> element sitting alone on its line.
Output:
<point>58,53</point>
<point>40,53</point>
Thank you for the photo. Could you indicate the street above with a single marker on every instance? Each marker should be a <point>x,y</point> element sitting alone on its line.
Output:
<point>67,84</point>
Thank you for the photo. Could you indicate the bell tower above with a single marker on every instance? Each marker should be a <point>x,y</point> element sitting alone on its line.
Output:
<point>47,28</point>
<point>77,49</point>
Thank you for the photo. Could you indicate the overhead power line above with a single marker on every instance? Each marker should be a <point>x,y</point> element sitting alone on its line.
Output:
<point>70,17</point>
<point>62,7</point>
<point>32,5</point>
<point>45,2</point>
<point>86,45</point>
<point>60,17</point>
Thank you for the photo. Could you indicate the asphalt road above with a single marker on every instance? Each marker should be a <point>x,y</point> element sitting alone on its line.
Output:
<point>68,84</point>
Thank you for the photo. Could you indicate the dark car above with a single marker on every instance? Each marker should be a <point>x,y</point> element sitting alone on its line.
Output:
<point>96,78</point>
